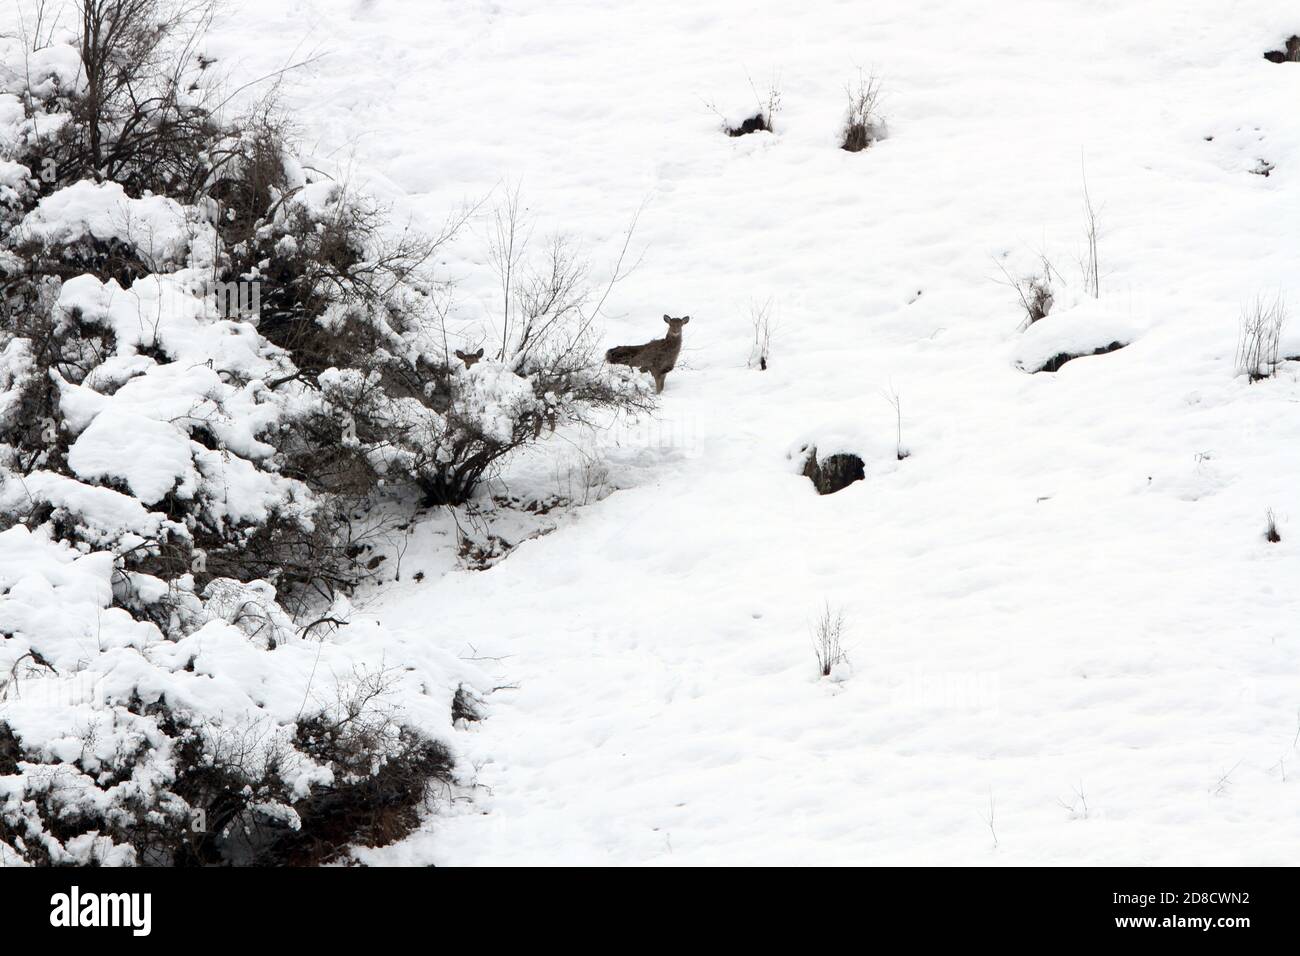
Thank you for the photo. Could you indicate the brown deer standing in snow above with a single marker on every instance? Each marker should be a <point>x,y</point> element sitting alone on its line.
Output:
<point>657,356</point>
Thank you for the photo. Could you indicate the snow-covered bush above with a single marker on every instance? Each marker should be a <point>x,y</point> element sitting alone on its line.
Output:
<point>433,421</point>
<point>126,101</point>
<point>354,309</point>
<point>212,364</point>
<point>183,500</point>
<point>120,745</point>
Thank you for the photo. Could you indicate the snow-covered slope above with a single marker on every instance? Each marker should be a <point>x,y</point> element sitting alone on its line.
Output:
<point>1070,642</point>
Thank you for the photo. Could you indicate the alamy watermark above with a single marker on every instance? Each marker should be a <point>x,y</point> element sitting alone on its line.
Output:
<point>241,299</point>
<point>75,908</point>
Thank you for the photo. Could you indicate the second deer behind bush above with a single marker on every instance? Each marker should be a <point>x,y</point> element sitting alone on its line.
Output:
<point>657,356</point>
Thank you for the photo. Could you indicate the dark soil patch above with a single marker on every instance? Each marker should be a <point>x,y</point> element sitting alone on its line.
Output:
<point>758,123</point>
<point>834,473</point>
<point>1056,361</point>
<point>857,137</point>
<point>10,751</point>
<point>1289,55</point>
<point>464,706</point>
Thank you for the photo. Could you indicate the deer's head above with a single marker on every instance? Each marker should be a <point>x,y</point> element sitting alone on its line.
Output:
<point>470,358</point>
<point>675,325</point>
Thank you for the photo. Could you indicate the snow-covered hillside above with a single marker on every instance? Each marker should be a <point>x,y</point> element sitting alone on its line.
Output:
<point>1069,639</point>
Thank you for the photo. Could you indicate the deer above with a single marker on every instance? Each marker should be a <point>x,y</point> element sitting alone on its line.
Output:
<point>469,359</point>
<point>658,356</point>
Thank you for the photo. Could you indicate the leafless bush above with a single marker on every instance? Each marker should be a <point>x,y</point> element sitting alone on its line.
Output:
<point>1089,263</point>
<point>143,114</point>
<point>549,310</point>
<point>768,104</point>
<point>896,402</point>
<point>863,124</point>
<point>1034,291</point>
<point>584,480</point>
<point>1271,534</point>
<point>1259,338</point>
<point>828,636</point>
<point>445,427</point>
<point>760,350</point>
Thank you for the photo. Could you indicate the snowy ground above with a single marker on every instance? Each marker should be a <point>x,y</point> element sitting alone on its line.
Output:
<point>1062,596</point>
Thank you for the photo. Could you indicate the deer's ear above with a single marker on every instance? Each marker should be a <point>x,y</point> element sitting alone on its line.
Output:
<point>666,319</point>
<point>685,319</point>
<point>479,353</point>
<point>460,355</point>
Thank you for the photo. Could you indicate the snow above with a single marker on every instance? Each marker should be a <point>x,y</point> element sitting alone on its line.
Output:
<point>170,312</point>
<point>105,515</point>
<point>154,226</point>
<point>1065,587</point>
<point>152,457</point>
<point>1078,331</point>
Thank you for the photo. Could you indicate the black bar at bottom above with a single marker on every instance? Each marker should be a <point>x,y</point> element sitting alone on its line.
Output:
<point>372,906</point>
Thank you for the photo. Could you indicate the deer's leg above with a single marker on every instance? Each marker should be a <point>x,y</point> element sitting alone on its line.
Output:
<point>659,381</point>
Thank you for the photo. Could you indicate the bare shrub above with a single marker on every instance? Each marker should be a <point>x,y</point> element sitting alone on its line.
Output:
<point>768,104</point>
<point>896,402</point>
<point>828,641</point>
<point>1089,263</point>
<point>863,124</point>
<point>584,480</point>
<point>143,113</point>
<point>1271,534</point>
<point>1259,338</point>
<point>1034,290</point>
<point>407,405</point>
<point>760,350</point>
<point>549,346</point>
